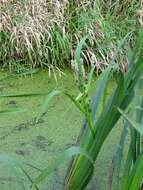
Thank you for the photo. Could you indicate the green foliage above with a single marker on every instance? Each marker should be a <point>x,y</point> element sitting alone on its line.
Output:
<point>48,37</point>
<point>98,124</point>
<point>44,106</point>
<point>80,171</point>
<point>128,174</point>
<point>59,160</point>
<point>51,43</point>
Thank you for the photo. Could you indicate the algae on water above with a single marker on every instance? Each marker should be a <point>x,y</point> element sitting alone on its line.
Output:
<point>39,143</point>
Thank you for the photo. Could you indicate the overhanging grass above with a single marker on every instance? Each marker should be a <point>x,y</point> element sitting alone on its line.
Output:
<point>44,34</point>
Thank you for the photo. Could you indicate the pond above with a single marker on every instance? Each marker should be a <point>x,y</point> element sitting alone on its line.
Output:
<point>57,130</point>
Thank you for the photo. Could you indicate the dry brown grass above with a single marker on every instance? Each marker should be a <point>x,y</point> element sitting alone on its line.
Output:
<point>25,21</point>
<point>140,13</point>
<point>41,31</point>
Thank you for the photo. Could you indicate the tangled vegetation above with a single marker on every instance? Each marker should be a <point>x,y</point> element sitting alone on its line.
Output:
<point>125,100</point>
<point>45,33</point>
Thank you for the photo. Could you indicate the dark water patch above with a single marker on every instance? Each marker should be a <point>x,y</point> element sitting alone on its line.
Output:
<point>27,124</point>
<point>22,152</point>
<point>42,143</point>
<point>12,103</point>
<point>21,126</point>
<point>23,144</point>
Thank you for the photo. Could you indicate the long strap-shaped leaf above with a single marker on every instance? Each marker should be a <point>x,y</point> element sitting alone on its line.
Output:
<point>137,126</point>
<point>81,172</point>
<point>117,160</point>
<point>23,95</point>
<point>60,159</point>
<point>136,176</point>
<point>127,169</point>
<point>78,62</point>
<point>46,103</point>
<point>96,98</point>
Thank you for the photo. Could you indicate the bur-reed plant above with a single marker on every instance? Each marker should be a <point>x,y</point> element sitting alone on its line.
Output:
<point>98,123</point>
<point>127,170</point>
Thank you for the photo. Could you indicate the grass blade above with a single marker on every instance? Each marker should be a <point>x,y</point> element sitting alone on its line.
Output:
<point>101,84</point>
<point>117,160</point>
<point>11,111</point>
<point>59,160</point>
<point>137,126</point>
<point>46,103</point>
<point>136,176</point>
<point>23,95</point>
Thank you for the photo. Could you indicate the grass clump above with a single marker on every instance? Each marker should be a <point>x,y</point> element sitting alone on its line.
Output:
<point>98,123</point>
<point>45,33</point>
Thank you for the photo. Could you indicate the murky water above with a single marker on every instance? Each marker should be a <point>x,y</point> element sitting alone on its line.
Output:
<point>57,130</point>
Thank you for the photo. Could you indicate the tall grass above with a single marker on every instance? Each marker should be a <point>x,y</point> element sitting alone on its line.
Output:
<point>45,33</point>
<point>99,125</point>
<point>128,174</point>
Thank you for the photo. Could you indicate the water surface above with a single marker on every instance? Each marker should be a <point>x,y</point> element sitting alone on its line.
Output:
<point>57,130</point>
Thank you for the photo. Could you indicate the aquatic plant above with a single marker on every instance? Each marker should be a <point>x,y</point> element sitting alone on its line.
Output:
<point>126,170</point>
<point>98,123</point>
